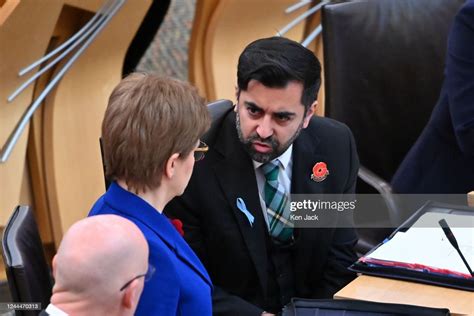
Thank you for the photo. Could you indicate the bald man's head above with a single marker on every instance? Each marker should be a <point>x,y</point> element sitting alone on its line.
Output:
<point>96,257</point>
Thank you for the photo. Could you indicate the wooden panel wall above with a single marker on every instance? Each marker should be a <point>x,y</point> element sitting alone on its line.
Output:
<point>64,150</point>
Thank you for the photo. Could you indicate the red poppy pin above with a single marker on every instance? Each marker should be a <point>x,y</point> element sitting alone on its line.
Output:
<point>178,225</point>
<point>320,172</point>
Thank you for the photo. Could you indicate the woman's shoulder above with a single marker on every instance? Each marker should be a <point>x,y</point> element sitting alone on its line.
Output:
<point>99,207</point>
<point>157,244</point>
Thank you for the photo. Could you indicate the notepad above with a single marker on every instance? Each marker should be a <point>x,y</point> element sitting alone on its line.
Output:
<point>419,251</point>
<point>425,244</point>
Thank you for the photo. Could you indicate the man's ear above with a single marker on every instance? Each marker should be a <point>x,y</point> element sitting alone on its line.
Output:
<point>170,167</point>
<point>132,294</point>
<point>309,113</point>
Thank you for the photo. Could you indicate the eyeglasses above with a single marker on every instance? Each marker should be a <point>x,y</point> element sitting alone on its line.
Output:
<point>149,273</point>
<point>200,151</point>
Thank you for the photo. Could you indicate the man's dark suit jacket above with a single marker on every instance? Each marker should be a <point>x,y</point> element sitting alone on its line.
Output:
<point>442,159</point>
<point>233,251</point>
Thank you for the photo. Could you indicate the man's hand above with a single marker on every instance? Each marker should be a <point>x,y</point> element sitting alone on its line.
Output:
<point>267,314</point>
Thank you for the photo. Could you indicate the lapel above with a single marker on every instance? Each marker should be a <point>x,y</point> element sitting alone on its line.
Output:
<point>236,176</point>
<point>134,207</point>
<point>306,153</point>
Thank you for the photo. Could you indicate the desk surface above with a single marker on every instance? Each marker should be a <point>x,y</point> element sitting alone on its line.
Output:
<point>402,292</point>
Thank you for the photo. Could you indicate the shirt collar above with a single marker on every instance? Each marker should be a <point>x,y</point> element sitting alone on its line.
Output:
<point>284,158</point>
<point>55,311</point>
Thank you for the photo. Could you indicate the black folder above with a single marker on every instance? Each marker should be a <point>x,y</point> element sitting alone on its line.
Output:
<point>406,273</point>
<point>328,307</point>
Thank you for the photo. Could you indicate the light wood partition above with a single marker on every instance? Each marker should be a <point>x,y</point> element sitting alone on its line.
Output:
<point>222,29</point>
<point>64,151</point>
<point>25,36</point>
<point>203,13</point>
<point>225,28</point>
<point>234,24</point>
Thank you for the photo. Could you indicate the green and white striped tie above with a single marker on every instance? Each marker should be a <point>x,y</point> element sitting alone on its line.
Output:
<point>277,202</point>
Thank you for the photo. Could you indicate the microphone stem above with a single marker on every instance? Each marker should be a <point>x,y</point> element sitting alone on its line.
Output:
<point>465,262</point>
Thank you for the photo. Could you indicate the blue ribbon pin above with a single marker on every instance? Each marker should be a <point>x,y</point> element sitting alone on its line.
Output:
<point>241,206</point>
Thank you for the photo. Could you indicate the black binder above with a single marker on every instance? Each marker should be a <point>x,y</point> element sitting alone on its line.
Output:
<point>404,273</point>
<point>327,307</point>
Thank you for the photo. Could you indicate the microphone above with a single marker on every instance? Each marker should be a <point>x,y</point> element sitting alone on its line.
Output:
<point>449,234</point>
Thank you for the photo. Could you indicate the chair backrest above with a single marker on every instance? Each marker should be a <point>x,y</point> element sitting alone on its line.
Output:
<point>218,108</point>
<point>384,64</point>
<point>28,273</point>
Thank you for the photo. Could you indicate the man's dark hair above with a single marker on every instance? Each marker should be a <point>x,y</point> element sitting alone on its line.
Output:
<point>275,61</point>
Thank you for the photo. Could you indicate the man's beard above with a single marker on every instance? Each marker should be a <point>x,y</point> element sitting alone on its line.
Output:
<point>276,148</point>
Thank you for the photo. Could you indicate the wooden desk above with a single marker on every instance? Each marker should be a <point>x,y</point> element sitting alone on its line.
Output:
<point>470,199</point>
<point>402,292</point>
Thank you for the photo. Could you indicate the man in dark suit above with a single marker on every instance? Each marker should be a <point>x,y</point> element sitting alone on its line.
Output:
<point>442,159</point>
<point>235,209</point>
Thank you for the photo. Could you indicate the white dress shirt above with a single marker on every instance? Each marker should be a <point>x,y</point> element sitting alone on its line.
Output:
<point>55,311</point>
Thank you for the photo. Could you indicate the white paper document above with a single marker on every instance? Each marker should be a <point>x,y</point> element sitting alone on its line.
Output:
<point>425,243</point>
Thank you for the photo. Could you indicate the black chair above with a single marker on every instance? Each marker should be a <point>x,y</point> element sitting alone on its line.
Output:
<point>384,62</point>
<point>28,274</point>
<point>218,108</point>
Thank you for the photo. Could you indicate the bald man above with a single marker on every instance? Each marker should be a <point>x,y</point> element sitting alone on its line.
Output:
<point>99,268</point>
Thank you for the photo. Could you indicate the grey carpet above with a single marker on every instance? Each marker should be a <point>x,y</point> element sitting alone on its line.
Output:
<point>168,53</point>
